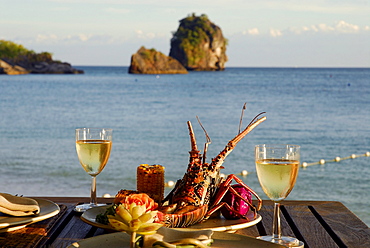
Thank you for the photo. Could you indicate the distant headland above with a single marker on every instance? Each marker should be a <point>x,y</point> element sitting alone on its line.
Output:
<point>16,59</point>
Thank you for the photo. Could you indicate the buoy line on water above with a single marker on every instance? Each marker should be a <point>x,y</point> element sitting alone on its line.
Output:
<point>244,173</point>
<point>336,159</point>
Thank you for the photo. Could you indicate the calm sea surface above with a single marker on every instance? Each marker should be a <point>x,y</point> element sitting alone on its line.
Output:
<point>326,111</point>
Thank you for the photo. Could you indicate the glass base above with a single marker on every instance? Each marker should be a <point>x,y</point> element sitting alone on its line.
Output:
<point>284,240</point>
<point>83,207</point>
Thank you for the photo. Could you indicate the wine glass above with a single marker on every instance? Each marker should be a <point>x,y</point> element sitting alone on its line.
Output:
<point>277,170</point>
<point>93,146</point>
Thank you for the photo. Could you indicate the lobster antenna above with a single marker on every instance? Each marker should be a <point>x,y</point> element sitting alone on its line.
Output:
<point>241,117</point>
<point>255,118</point>
<point>193,142</point>
<point>208,141</point>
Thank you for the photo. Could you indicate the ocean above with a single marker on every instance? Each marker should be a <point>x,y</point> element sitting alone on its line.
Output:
<point>325,110</point>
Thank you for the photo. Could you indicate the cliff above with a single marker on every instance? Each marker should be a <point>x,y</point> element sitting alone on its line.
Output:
<point>15,59</point>
<point>150,61</point>
<point>198,44</point>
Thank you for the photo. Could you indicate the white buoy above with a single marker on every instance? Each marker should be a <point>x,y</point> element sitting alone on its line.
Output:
<point>337,159</point>
<point>304,164</point>
<point>322,161</point>
<point>367,154</point>
<point>244,172</point>
<point>170,183</point>
<point>353,156</point>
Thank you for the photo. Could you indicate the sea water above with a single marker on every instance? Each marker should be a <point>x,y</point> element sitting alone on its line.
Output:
<point>326,111</point>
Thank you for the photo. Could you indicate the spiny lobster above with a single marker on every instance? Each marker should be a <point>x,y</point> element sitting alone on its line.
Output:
<point>198,194</point>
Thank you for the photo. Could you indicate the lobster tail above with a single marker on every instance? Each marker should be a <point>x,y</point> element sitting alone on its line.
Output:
<point>185,219</point>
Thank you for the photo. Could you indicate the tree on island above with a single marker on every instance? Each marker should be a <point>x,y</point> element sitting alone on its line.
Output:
<point>16,53</point>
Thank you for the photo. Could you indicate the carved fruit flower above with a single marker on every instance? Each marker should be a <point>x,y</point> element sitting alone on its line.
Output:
<point>140,199</point>
<point>135,215</point>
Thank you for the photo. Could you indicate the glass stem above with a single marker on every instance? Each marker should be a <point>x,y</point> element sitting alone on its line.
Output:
<point>276,230</point>
<point>133,240</point>
<point>93,200</point>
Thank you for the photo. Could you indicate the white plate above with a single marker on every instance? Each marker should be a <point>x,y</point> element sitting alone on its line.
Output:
<point>221,239</point>
<point>215,224</point>
<point>47,209</point>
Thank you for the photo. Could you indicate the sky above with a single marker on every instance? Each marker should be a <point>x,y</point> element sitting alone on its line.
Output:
<point>260,33</point>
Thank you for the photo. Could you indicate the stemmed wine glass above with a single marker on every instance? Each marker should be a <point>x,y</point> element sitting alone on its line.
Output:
<point>93,146</point>
<point>277,170</point>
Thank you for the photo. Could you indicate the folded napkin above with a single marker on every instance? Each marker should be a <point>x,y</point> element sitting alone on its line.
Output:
<point>18,206</point>
<point>168,237</point>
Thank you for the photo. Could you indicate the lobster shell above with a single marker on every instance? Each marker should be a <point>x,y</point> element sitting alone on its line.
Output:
<point>184,219</point>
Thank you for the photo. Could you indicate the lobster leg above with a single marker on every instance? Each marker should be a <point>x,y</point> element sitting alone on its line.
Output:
<point>224,188</point>
<point>238,180</point>
<point>219,206</point>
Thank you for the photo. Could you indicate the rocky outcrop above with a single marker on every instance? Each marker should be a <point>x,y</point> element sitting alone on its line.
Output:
<point>24,66</point>
<point>53,68</point>
<point>198,44</point>
<point>16,59</point>
<point>150,61</point>
<point>6,68</point>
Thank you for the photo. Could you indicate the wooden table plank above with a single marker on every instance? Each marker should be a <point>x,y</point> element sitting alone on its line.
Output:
<point>309,227</point>
<point>74,230</point>
<point>249,231</point>
<point>339,221</point>
<point>267,213</point>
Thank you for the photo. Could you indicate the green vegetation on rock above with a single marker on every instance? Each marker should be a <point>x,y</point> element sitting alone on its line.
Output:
<point>194,42</point>
<point>9,49</point>
<point>16,52</point>
<point>16,59</point>
<point>192,32</point>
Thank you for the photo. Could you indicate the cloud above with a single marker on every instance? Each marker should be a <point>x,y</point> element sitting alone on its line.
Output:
<point>140,34</point>
<point>340,27</point>
<point>70,39</point>
<point>253,31</point>
<point>94,39</point>
<point>275,32</point>
<point>41,38</point>
<point>344,27</point>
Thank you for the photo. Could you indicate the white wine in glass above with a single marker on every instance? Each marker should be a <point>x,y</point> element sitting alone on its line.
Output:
<point>93,146</point>
<point>277,170</point>
<point>277,177</point>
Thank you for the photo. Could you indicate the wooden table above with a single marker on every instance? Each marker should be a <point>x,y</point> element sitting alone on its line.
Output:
<point>318,224</point>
